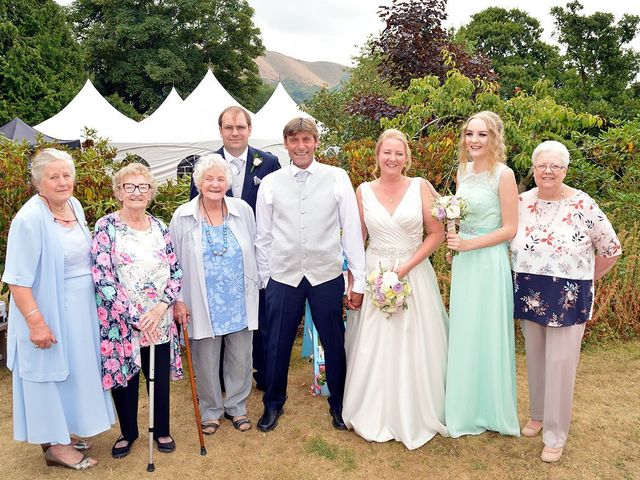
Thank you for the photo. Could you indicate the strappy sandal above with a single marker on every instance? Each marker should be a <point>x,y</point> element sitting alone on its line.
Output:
<point>53,461</point>
<point>239,422</point>
<point>79,444</point>
<point>210,428</point>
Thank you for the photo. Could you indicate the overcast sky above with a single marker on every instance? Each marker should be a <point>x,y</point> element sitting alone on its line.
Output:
<point>334,30</point>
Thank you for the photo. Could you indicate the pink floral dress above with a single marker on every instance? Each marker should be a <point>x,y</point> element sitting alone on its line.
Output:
<point>133,271</point>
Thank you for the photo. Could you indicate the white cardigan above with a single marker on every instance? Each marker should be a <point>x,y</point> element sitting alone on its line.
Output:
<point>186,234</point>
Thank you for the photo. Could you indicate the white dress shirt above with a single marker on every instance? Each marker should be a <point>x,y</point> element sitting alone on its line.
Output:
<point>348,215</point>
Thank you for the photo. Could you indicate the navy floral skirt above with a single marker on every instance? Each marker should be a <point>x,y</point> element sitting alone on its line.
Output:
<point>552,301</point>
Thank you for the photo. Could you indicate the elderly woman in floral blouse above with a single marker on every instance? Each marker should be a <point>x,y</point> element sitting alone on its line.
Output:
<point>137,278</point>
<point>563,244</point>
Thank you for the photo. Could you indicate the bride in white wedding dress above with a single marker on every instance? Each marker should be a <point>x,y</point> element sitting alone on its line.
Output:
<point>396,367</point>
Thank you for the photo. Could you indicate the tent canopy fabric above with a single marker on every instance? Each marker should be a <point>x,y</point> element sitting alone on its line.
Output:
<point>87,109</point>
<point>274,115</point>
<point>18,131</point>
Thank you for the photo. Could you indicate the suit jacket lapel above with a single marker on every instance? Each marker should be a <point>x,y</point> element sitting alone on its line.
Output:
<point>248,174</point>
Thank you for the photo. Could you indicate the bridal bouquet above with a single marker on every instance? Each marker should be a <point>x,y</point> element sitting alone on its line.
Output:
<point>449,208</point>
<point>388,292</point>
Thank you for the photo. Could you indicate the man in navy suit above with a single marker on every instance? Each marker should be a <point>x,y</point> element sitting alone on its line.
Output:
<point>249,166</point>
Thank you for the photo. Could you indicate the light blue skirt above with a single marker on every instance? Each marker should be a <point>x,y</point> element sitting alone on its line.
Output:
<point>49,412</point>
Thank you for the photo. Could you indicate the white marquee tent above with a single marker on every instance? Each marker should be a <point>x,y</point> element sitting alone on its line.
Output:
<point>87,109</point>
<point>177,129</point>
<point>268,123</point>
<point>182,128</point>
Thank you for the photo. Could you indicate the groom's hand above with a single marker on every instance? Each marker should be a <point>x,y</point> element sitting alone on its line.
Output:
<point>354,300</point>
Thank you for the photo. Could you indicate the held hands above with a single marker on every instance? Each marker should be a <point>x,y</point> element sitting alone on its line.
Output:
<point>39,332</point>
<point>354,300</point>
<point>181,313</point>
<point>149,322</point>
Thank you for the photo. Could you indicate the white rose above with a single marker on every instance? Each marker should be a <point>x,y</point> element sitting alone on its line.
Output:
<point>453,211</point>
<point>390,278</point>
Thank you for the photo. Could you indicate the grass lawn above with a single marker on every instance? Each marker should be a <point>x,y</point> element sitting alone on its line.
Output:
<point>604,441</point>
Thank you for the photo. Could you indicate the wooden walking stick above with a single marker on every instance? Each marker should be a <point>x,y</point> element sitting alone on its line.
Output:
<point>194,395</point>
<point>152,368</point>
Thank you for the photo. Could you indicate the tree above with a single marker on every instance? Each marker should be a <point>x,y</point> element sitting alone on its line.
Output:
<point>512,40</point>
<point>139,49</point>
<point>601,68</point>
<point>352,110</point>
<point>412,42</point>
<point>41,66</point>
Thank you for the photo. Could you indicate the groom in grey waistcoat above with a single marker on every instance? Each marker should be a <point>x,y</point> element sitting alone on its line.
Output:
<point>307,222</point>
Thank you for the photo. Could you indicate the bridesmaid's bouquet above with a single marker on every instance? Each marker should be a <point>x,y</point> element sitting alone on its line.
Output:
<point>451,209</point>
<point>388,292</point>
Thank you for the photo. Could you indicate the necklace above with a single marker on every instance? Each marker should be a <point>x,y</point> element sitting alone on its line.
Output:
<point>225,233</point>
<point>555,213</point>
<point>391,198</point>
<point>60,211</point>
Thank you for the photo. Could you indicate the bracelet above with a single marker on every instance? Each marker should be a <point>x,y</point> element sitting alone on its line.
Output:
<point>31,313</point>
<point>166,301</point>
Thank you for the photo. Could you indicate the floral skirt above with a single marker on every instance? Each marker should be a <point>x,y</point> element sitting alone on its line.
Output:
<point>552,301</point>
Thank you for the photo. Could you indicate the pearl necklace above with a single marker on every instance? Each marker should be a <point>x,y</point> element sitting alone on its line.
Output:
<point>225,234</point>
<point>555,213</point>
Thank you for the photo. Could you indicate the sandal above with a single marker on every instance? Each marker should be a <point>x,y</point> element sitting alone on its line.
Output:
<point>166,447</point>
<point>210,428</point>
<point>84,463</point>
<point>79,444</point>
<point>238,422</point>
<point>120,452</point>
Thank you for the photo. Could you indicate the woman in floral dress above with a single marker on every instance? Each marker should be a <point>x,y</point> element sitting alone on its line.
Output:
<point>137,278</point>
<point>564,242</point>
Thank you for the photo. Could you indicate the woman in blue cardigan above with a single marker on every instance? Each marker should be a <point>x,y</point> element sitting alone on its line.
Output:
<point>53,346</point>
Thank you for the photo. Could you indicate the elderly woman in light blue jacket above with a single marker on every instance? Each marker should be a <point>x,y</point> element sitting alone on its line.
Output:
<point>214,239</point>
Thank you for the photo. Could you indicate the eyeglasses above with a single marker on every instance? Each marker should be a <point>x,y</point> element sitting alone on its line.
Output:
<point>541,167</point>
<point>131,187</point>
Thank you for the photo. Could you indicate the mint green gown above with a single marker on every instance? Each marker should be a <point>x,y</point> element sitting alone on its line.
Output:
<point>481,383</point>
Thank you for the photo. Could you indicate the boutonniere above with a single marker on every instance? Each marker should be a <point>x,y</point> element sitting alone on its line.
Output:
<point>257,161</point>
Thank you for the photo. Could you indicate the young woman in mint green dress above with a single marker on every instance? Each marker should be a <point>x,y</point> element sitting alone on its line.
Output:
<point>481,384</point>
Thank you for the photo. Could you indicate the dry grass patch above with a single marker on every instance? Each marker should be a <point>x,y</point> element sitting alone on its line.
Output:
<point>603,443</point>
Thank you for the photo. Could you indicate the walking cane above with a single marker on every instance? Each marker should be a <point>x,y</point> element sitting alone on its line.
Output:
<point>152,367</point>
<point>194,395</point>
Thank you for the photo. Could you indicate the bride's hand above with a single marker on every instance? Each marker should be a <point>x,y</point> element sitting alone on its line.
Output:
<point>402,270</point>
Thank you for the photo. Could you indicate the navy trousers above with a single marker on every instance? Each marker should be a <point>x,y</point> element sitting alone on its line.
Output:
<point>285,308</point>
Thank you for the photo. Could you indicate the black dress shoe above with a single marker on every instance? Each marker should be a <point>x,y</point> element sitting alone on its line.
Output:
<point>336,420</point>
<point>269,419</point>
